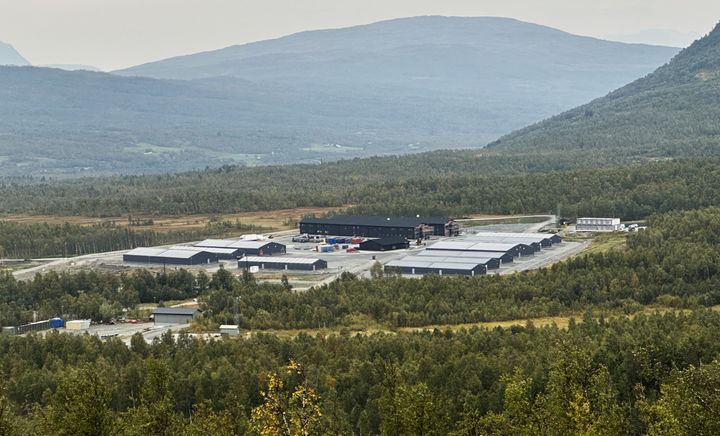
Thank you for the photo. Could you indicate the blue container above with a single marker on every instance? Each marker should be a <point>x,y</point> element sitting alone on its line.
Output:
<point>57,323</point>
<point>332,241</point>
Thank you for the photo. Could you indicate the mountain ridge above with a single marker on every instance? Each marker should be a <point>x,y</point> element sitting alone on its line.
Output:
<point>10,56</point>
<point>670,112</point>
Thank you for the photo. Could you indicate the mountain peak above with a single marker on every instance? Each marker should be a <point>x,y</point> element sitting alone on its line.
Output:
<point>10,56</point>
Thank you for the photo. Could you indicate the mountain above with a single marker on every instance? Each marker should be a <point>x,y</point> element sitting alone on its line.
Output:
<point>10,56</point>
<point>72,67</point>
<point>516,72</point>
<point>667,37</point>
<point>672,112</point>
<point>393,87</point>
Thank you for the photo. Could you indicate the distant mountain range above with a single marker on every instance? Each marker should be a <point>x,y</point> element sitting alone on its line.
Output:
<point>397,86</point>
<point>672,112</point>
<point>10,56</point>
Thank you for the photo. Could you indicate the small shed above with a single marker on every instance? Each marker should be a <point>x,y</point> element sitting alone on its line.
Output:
<point>229,330</point>
<point>385,244</point>
<point>174,315</point>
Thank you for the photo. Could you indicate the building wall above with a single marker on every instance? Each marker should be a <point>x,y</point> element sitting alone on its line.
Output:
<point>172,319</point>
<point>358,230</point>
<point>374,246</point>
<point>279,265</point>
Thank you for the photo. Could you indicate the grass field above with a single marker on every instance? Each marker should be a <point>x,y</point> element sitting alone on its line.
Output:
<point>331,148</point>
<point>369,327</point>
<point>275,220</point>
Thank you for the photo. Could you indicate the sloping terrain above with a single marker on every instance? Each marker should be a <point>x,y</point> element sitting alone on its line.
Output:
<point>672,112</point>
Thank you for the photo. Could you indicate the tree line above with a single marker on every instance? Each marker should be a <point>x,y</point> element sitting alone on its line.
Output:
<point>653,374</point>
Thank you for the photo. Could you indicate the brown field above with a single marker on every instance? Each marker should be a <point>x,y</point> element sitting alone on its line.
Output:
<point>269,220</point>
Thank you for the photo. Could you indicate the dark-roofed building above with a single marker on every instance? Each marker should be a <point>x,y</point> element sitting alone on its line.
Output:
<point>516,249</point>
<point>283,263</point>
<point>247,248</point>
<point>164,256</point>
<point>221,253</point>
<point>385,244</point>
<point>379,227</point>
<point>174,315</point>
<point>417,266</point>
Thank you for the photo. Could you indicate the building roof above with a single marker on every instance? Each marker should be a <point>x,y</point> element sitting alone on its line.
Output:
<point>376,221</point>
<point>391,240</point>
<point>505,240</point>
<point>449,259</point>
<point>145,251</point>
<point>280,259</point>
<point>538,236</point>
<point>409,262</point>
<point>205,249</point>
<point>232,243</point>
<point>174,311</point>
<point>468,245</point>
<point>478,255</point>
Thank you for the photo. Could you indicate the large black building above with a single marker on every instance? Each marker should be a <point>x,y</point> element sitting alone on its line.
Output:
<point>283,263</point>
<point>163,256</point>
<point>385,244</point>
<point>246,248</point>
<point>379,227</point>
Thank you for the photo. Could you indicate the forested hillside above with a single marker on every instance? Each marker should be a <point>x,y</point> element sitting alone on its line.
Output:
<point>671,112</point>
<point>651,373</point>
<point>397,87</point>
<point>454,185</point>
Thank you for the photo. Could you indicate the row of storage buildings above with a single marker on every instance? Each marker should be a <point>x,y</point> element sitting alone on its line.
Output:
<point>473,255</point>
<point>205,252</point>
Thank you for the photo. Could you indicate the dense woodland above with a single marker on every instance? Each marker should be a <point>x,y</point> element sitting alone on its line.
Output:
<point>23,241</point>
<point>450,186</point>
<point>649,374</point>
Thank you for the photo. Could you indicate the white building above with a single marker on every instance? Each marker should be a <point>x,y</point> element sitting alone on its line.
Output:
<point>598,225</point>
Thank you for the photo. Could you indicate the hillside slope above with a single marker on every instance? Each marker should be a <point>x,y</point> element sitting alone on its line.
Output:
<point>395,87</point>
<point>672,112</point>
<point>10,56</point>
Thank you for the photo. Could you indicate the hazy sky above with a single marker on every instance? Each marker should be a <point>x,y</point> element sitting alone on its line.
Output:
<point>116,33</point>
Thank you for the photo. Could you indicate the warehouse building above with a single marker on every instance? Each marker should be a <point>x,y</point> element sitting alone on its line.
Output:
<point>502,257</point>
<point>545,239</point>
<point>164,256</point>
<point>468,245</point>
<point>282,263</point>
<point>415,266</point>
<point>221,253</point>
<point>533,243</point>
<point>380,227</point>
<point>598,225</point>
<point>243,247</point>
<point>440,256</point>
<point>174,315</point>
<point>488,262</point>
<point>385,244</point>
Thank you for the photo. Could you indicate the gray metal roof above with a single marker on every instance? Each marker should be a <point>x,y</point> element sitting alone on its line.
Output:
<point>232,243</point>
<point>472,246</point>
<point>174,311</point>
<point>280,259</point>
<point>414,262</point>
<point>505,239</point>
<point>205,249</point>
<point>177,254</point>
<point>146,251</point>
<point>449,259</point>
<point>538,236</point>
<point>459,254</point>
